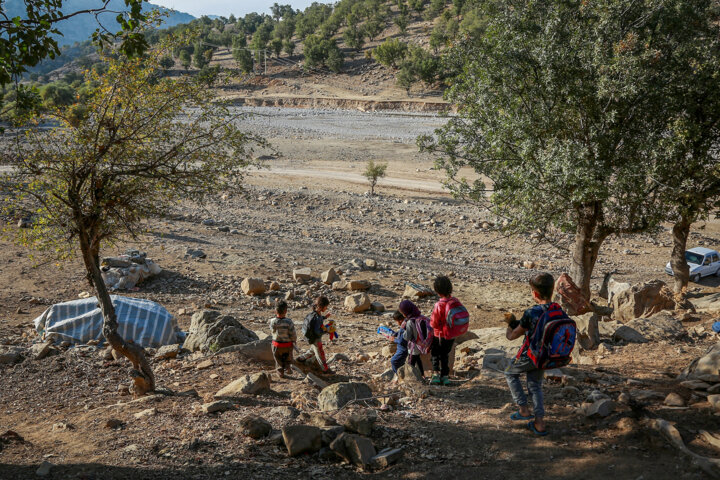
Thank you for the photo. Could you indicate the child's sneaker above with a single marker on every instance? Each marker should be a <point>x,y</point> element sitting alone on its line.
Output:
<point>435,380</point>
<point>445,381</point>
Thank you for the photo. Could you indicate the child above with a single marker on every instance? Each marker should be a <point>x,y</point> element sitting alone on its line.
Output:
<point>542,289</point>
<point>411,312</point>
<point>283,338</point>
<point>398,360</point>
<point>443,340</point>
<point>313,329</point>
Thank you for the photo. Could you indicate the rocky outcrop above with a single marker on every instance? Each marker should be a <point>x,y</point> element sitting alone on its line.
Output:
<point>211,331</point>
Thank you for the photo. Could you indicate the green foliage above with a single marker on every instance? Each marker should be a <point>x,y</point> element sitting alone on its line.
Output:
<point>244,59</point>
<point>354,37</point>
<point>276,45</point>
<point>167,62</point>
<point>391,52</point>
<point>373,172</point>
<point>312,18</point>
<point>289,47</point>
<point>322,51</point>
<point>418,65</point>
<point>185,59</point>
<point>561,107</point>
<point>402,21</point>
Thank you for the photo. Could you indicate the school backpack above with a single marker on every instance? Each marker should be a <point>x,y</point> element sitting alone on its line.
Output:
<point>422,341</point>
<point>308,326</point>
<point>552,341</point>
<point>458,318</point>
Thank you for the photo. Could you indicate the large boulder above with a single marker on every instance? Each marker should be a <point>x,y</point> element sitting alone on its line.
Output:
<point>643,301</point>
<point>338,395</point>
<point>662,326</point>
<point>211,331</point>
<point>357,303</point>
<point>705,368</point>
<point>259,350</point>
<point>302,275</point>
<point>302,439</point>
<point>707,303</point>
<point>588,330</point>
<point>248,385</point>
<point>328,277</point>
<point>253,286</point>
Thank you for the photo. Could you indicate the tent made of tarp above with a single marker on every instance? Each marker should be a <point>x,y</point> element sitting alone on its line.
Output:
<point>144,322</point>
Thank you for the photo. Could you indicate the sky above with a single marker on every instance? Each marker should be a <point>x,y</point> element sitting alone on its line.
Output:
<point>225,7</point>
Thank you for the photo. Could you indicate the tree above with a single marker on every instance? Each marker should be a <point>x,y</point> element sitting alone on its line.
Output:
<point>244,58</point>
<point>289,47</point>
<point>145,143</point>
<point>322,51</point>
<point>391,52</point>
<point>558,108</point>
<point>167,62</point>
<point>27,38</point>
<point>185,59</point>
<point>276,45</point>
<point>373,172</point>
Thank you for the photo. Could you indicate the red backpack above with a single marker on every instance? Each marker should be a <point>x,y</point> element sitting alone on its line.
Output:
<point>458,318</point>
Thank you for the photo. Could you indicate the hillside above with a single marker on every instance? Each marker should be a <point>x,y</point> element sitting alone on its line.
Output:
<point>80,28</point>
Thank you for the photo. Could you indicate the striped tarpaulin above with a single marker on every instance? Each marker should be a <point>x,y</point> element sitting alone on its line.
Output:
<point>144,322</point>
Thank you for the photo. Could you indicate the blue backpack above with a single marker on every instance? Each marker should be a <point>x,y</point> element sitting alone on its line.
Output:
<point>551,343</point>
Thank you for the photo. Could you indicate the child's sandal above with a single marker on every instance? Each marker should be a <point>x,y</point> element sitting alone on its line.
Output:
<point>531,426</point>
<point>517,417</point>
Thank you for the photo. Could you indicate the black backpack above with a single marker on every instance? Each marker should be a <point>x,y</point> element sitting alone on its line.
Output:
<point>308,326</point>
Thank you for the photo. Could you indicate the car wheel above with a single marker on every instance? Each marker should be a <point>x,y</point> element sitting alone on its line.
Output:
<point>695,278</point>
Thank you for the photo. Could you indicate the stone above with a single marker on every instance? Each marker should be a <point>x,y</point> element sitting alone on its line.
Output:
<point>695,384</point>
<point>707,303</point>
<point>260,350</point>
<point>148,412</point>
<point>44,469</point>
<point>389,350</point>
<point>284,412</point>
<point>714,401</point>
<point>338,357</point>
<point>370,263</point>
<point>628,335</point>
<point>249,384</point>
<point>377,307</point>
<point>362,422</point>
<point>274,286</point>
<point>330,276</point>
<point>10,354</point>
<point>211,331</point>
<point>357,285</point>
<point>661,326</point>
<point>320,419</point>
<point>588,333</point>
<point>41,350</point>
<point>302,439</point>
<point>355,449</point>
<point>385,376</point>
<point>255,427</point>
<point>642,301</point>
<point>253,286</point>
<point>205,364</point>
<point>113,424</point>
<point>674,400</point>
<point>168,351</point>
<point>415,291</point>
<point>410,375</point>
<point>315,380</point>
<point>331,433</point>
<point>362,357</point>
<point>528,264</point>
<point>386,458</point>
<point>218,406</point>
<point>357,303</point>
<point>302,275</point>
<point>465,337</point>
<point>338,395</point>
<point>599,409</point>
<point>707,366</point>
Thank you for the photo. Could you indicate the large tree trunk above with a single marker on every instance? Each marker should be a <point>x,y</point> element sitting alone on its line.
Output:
<point>142,375</point>
<point>680,268</point>
<point>588,240</point>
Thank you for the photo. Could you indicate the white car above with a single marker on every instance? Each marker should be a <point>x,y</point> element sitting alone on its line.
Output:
<point>703,262</point>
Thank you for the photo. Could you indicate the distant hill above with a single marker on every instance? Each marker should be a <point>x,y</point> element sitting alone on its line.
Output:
<point>80,28</point>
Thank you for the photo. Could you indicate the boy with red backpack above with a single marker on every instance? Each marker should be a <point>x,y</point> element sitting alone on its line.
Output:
<point>449,319</point>
<point>549,340</point>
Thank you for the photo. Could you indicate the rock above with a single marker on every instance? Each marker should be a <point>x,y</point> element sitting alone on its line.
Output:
<point>695,384</point>
<point>24,223</point>
<point>338,357</point>
<point>674,400</point>
<point>41,350</point>
<point>377,307</point>
<point>320,419</point>
<point>205,364</point>
<point>389,350</point>
<point>385,376</point>
<point>361,423</point>
<point>465,337</point>
<point>255,427</point>
<point>707,303</point>
<point>528,264</point>
<point>218,406</point>
<point>410,375</point>
<point>274,286</point>
<point>284,412</point>
<point>10,354</point>
<point>362,357</point>
<point>168,351</point>
<point>705,367</point>
<point>338,395</point>
<point>260,350</point>
<point>588,330</point>
<point>253,286</point>
<point>44,469</point>
<point>357,285</point>
<point>209,331</point>
<point>113,424</point>
<point>357,303</point>
<point>331,433</point>
<point>354,449</point>
<point>601,408</point>
<point>644,300</point>
<point>714,401</point>
<point>661,326</point>
<point>289,295</point>
<point>249,384</point>
<point>302,439</point>
<point>628,335</point>
<point>414,291</point>
<point>370,264</point>
<point>386,458</point>
<point>302,275</point>
<point>148,412</point>
<point>328,277</point>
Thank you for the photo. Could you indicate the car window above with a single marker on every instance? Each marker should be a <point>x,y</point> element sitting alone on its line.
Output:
<point>707,261</point>
<point>715,258</point>
<point>692,257</point>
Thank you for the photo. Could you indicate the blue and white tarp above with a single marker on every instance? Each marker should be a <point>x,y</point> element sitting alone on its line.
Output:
<point>146,323</point>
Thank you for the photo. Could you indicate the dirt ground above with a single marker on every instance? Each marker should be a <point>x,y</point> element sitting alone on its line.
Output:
<point>310,208</point>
